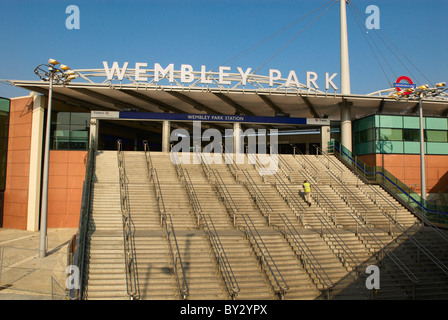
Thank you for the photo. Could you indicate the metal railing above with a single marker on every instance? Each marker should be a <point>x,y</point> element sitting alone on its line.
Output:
<point>353,202</point>
<point>220,255</point>
<point>430,213</point>
<point>132,287</point>
<point>306,164</point>
<point>167,223</point>
<point>348,258</point>
<point>371,234</point>
<point>257,196</point>
<point>215,179</point>
<point>184,178</point>
<point>226,196</point>
<point>393,220</point>
<point>308,259</point>
<point>265,259</point>
<point>178,266</point>
<point>209,229</point>
<point>77,249</point>
<point>285,191</point>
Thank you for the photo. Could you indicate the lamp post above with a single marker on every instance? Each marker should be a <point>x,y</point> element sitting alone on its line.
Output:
<point>420,93</point>
<point>60,75</point>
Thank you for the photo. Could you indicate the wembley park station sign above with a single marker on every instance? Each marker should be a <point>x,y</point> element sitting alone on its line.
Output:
<point>221,76</point>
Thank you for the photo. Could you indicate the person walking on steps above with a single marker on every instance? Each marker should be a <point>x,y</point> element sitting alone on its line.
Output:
<point>307,191</point>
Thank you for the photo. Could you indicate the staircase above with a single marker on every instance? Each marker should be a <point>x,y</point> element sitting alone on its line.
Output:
<point>105,277</point>
<point>343,231</point>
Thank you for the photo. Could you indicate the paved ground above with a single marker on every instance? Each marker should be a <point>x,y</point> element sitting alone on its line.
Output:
<point>25,276</point>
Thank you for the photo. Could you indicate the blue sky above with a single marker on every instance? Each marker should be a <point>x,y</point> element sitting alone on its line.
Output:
<point>210,32</point>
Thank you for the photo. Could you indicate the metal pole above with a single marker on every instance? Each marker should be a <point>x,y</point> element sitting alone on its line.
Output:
<point>43,211</point>
<point>346,125</point>
<point>422,154</point>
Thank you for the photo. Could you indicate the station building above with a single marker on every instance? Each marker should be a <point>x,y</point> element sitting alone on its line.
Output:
<point>383,132</point>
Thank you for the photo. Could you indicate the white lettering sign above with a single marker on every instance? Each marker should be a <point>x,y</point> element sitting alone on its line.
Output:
<point>224,75</point>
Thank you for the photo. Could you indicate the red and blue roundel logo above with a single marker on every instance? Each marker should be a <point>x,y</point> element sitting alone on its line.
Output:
<point>408,84</point>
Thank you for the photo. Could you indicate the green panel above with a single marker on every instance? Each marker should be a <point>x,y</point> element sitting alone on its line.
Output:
<point>4,105</point>
<point>436,148</point>
<point>391,122</point>
<point>411,147</point>
<point>364,124</point>
<point>377,121</point>
<point>364,148</point>
<point>436,123</point>
<point>411,123</point>
<point>397,146</point>
<point>389,147</point>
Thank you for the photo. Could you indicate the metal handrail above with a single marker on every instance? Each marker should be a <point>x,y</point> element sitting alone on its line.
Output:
<point>132,288</point>
<point>223,262</point>
<point>406,271</point>
<point>319,196</point>
<point>166,221</point>
<point>226,196</point>
<point>386,182</point>
<point>148,157</point>
<point>294,203</point>
<point>306,254</point>
<point>176,258</point>
<point>184,177</point>
<point>350,198</point>
<point>266,261</point>
<point>257,196</point>
<point>394,221</point>
<point>77,255</point>
<point>323,202</point>
<point>404,231</point>
<point>376,193</point>
<point>329,160</point>
<point>363,226</point>
<point>309,163</point>
<point>285,191</point>
<point>209,229</point>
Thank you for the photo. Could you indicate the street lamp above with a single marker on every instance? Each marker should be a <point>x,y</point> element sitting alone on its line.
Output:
<point>63,75</point>
<point>423,91</point>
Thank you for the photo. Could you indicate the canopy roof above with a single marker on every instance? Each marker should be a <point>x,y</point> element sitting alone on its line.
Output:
<point>257,102</point>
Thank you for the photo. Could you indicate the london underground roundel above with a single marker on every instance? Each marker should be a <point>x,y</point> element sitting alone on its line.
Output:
<point>408,84</point>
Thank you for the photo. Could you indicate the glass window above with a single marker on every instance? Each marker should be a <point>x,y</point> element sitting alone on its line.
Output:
<point>60,118</point>
<point>436,136</point>
<point>363,124</point>
<point>70,130</point>
<point>411,135</point>
<point>387,134</point>
<point>364,136</point>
